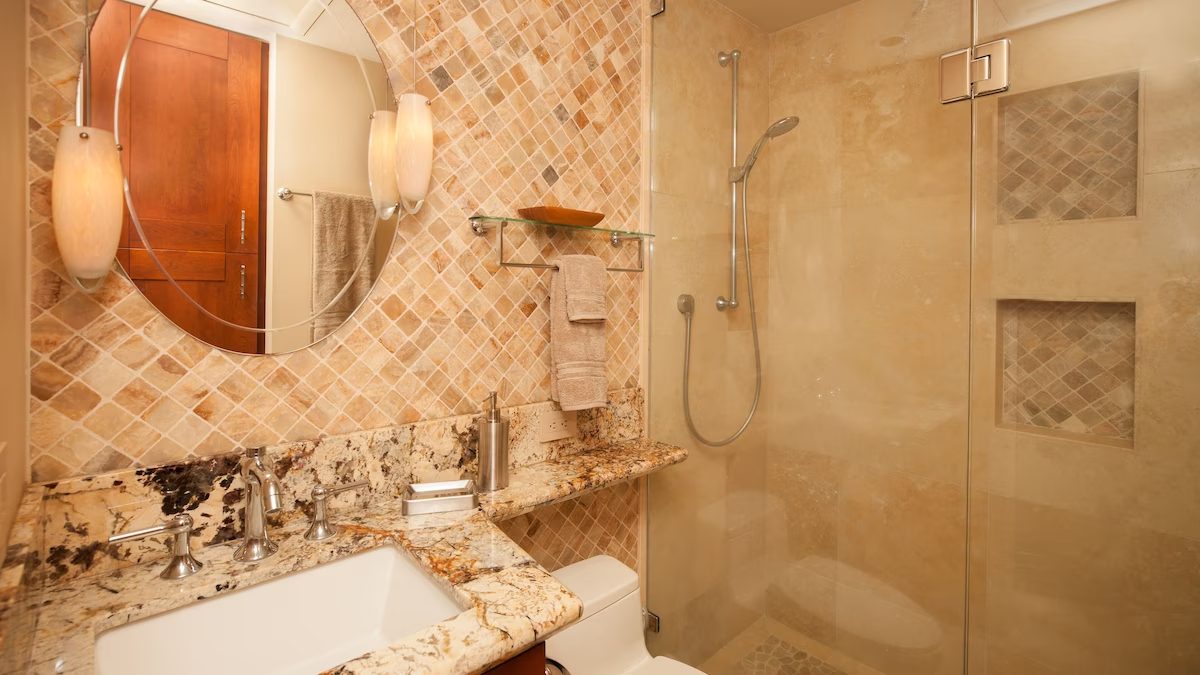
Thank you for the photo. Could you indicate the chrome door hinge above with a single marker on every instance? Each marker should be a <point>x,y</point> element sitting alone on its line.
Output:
<point>657,7</point>
<point>653,622</point>
<point>974,72</point>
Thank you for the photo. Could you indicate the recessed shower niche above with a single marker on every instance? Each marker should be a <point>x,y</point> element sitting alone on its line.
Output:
<point>1067,368</point>
<point>1070,152</point>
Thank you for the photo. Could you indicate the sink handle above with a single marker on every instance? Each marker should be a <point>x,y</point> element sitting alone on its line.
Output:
<point>321,528</point>
<point>182,563</point>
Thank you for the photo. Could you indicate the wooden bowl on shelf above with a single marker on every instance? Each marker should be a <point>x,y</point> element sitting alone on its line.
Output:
<point>560,216</point>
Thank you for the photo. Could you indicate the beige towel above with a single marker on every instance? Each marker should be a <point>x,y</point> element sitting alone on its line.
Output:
<point>577,379</point>
<point>342,227</point>
<point>584,278</point>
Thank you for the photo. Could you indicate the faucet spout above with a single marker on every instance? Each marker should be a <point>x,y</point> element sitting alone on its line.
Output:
<point>263,496</point>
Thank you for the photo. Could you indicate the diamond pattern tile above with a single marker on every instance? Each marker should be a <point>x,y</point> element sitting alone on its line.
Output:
<point>1070,152</point>
<point>1068,366</point>
<point>604,522</point>
<point>536,103</point>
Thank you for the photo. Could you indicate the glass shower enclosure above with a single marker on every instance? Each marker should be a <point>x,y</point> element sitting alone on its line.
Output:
<point>978,443</point>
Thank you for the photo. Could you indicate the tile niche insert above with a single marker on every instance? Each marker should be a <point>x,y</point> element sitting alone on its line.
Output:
<point>1067,368</point>
<point>1070,152</point>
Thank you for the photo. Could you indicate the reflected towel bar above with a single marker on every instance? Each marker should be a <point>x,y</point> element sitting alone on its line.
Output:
<point>286,194</point>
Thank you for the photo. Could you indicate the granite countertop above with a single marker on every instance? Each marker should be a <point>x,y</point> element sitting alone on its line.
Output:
<point>567,477</point>
<point>509,602</point>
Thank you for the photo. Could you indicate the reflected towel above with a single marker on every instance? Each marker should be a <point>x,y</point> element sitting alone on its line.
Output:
<point>342,235</point>
<point>584,279</point>
<point>577,379</point>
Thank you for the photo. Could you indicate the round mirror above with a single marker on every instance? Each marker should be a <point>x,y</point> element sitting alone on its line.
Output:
<point>246,129</point>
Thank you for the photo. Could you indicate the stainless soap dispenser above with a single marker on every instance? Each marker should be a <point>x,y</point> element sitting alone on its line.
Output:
<point>493,448</point>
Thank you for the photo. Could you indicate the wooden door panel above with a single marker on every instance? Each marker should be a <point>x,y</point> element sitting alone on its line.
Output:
<point>181,265</point>
<point>193,120</point>
<point>170,30</point>
<point>244,144</point>
<point>178,158</point>
<point>223,298</point>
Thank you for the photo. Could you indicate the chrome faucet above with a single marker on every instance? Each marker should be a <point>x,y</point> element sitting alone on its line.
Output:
<point>263,496</point>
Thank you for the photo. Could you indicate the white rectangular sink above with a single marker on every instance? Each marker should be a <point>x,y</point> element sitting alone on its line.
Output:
<point>299,624</point>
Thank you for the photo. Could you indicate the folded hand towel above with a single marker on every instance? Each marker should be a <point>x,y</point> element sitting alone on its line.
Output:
<point>584,279</point>
<point>577,379</point>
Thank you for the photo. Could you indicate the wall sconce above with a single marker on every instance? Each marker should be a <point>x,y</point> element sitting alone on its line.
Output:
<point>87,203</point>
<point>87,197</point>
<point>381,164</point>
<point>414,150</point>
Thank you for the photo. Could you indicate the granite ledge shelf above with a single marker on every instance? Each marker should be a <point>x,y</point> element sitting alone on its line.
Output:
<point>564,478</point>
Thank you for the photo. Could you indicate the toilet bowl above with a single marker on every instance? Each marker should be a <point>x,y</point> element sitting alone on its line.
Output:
<point>608,639</point>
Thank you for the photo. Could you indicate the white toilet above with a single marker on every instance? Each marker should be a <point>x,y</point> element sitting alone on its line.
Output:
<point>608,639</point>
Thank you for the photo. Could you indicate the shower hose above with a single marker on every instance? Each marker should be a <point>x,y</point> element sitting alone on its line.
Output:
<point>687,308</point>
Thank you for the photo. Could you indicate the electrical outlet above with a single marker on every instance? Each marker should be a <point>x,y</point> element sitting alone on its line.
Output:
<point>556,424</point>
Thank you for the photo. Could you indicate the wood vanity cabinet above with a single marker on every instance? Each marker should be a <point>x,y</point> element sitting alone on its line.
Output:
<point>529,662</point>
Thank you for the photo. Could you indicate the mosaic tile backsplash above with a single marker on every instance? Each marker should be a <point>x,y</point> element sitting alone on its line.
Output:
<point>1070,152</point>
<point>604,522</point>
<point>535,103</point>
<point>1068,366</point>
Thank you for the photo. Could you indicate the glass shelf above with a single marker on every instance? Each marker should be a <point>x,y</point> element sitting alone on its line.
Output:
<point>481,224</point>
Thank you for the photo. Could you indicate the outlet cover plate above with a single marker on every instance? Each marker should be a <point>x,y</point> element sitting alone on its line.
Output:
<point>556,424</point>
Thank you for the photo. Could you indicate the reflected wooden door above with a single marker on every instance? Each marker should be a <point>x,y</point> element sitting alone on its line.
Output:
<point>192,129</point>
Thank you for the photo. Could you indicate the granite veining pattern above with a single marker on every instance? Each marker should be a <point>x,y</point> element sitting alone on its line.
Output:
<point>20,583</point>
<point>509,602</point>
<point>568,477</point>
<point>82,512</point>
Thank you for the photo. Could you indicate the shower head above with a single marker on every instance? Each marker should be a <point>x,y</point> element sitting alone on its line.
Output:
<point>779,128</point>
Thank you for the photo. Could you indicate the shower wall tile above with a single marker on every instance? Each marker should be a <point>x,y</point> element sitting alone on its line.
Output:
<point>605,522</point>
<point>1070,152</point>
<point>1068,366</point>
<point>535,103</point>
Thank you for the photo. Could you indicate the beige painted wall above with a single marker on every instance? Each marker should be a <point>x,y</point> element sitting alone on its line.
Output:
<point>318,132</point>
<point>14,342</point>
<point>707,532</point>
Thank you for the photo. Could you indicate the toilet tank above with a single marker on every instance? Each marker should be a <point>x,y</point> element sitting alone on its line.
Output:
<point>608,638</point>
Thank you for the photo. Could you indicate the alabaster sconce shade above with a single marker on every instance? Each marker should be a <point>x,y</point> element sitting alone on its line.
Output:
<point>88,204</point>
<point>381,164</point>
<point>414,150</point>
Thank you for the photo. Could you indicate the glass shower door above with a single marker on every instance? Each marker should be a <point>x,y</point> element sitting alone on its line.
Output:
<point>832,535</point>
<point>1085,434</point>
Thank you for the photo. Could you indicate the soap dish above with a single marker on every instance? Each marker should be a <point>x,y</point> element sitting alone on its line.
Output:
<point>450,495</point>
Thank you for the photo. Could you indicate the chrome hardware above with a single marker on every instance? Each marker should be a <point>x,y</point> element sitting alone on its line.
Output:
<point>286,194</point>
<point>657,7</point>
<point>653,621</point>
<point>242,284</point>
<point>451,495</point>
<point>243,226</point>
<point>971,73</point>
<point>480,225</point>
<point>263,496</point>
<point>182,563</point>
<point>555,668</point>
<point>321,528</point>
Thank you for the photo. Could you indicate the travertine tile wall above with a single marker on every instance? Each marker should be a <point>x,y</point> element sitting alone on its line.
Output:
<point>870,211</point>
<point>601,523</point>
<point>1086,556</point>
<point>1068,366</point>
<point>535,103</point>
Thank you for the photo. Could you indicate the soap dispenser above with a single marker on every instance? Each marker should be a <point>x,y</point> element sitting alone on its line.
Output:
<point>493,447</point>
